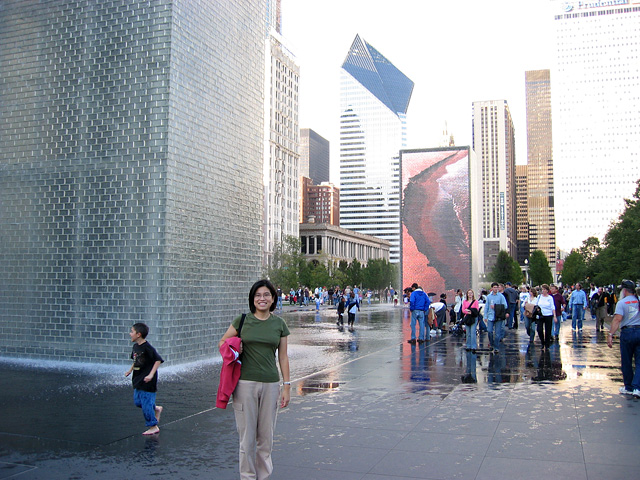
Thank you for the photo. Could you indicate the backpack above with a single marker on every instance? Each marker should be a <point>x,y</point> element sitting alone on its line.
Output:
<point>431,317</point>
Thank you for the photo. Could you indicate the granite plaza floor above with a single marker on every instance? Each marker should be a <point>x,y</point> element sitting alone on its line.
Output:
<point>366,405</point>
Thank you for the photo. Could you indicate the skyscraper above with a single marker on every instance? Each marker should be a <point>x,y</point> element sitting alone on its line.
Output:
<point>494,145</point>
<point>540,192</point>
<point>281,175</point>
<point>314,156</point>
<point>131,174</point>
<point>374,97</point>
<point>596,115</point>
<point>522,215</point>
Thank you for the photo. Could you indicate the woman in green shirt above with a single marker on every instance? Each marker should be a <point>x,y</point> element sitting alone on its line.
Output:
<point>255,399</point>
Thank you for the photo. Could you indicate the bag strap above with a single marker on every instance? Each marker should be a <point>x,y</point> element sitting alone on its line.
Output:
<point>241,322</point>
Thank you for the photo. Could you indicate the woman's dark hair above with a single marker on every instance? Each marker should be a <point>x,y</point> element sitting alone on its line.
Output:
<point>252,293</point>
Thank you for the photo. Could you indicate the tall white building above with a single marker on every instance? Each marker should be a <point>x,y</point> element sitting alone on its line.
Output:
<point>596,115</point>
<point>282,132</point>
<point>374,97</point>
<point>494,145</point>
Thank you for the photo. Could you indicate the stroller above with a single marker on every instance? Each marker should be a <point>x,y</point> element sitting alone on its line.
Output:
<point>457,328</point>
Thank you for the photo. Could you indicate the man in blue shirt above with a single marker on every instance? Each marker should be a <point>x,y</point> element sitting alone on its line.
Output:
<point>495,323</point>
<point>418,304</point>
<point>577,304</point>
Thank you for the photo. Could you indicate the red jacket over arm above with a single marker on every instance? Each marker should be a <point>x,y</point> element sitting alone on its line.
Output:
<point>230,373</point>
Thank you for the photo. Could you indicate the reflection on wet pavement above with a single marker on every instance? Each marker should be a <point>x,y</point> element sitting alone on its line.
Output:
<point>366,389</point>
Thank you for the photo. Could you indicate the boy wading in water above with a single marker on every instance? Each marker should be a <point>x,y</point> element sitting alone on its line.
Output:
<point>145,377</point>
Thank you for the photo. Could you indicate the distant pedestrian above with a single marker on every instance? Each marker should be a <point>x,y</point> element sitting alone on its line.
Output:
<point>577,305</point>
<point>419,306</point>
<point>602,302</point>
<point>352,308</point>
<point>559,303</point>
<point>495,311</point>
<point>457,308</point>
<point>146,361</point>
<point>340,310</point>
<point>548,308</point>
<point>627,317</point>
<point>470,309</point>
<point>512,297</point>
<point>529,320</point>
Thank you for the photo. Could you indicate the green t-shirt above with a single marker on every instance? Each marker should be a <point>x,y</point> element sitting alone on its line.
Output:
<point>260,340</point>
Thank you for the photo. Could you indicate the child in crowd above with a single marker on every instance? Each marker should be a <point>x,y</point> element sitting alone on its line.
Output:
<point>340,309</point>
<point>145,377</point>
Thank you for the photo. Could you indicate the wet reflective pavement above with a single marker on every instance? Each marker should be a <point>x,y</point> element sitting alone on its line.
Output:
<point>365,405</point>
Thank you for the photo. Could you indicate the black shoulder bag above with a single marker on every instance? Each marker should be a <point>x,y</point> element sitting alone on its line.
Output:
<point>241,322</point>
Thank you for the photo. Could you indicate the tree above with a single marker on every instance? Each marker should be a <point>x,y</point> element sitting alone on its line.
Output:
<point>539,269</point>
<point>378,274</point>
<point>574,268</point>
<point>590,249</point>
<point>355,272</point>
<point>517,275</point>
<point>506,269</point>
<point>286,261</point>
<point>619,258</point>
<point>318,274</point>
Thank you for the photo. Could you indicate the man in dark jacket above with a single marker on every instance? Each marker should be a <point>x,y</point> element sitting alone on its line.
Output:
<point>559,303</point>
<point>418,304</point>
<point>511,294</point>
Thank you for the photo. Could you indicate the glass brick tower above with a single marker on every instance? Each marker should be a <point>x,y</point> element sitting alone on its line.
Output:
<point>374,97</point>
<point>130,174</point>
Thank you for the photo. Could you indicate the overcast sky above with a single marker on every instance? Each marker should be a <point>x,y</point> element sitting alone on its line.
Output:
<point>456,52</point>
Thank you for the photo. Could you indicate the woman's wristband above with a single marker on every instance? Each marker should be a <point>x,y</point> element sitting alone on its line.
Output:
<point>286,383</point>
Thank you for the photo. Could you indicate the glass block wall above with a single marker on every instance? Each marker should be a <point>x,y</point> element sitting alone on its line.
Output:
<point>130,174</point>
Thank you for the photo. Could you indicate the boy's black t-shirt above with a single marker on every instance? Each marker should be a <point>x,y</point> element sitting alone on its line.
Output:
<point>144,356</point>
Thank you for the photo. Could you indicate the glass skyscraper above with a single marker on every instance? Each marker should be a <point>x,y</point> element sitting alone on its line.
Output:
<point>539,188</point>
<point>374,97</point>
<point>596,115</point>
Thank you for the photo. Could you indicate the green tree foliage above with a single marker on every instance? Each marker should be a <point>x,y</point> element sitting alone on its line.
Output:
<point>590,249</point>
<point>354,271</point>
<point>539,270</point>
<point>517,275</point>
<point>574,269</point>
<point>318,275</point>
<point>378,274</point>
<point>286,262</point>
<point>619,258</point>
<point>506,269</point>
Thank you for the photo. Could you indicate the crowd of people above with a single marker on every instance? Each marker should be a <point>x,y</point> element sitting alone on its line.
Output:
<point>323,296</point>
<point>541,309</point>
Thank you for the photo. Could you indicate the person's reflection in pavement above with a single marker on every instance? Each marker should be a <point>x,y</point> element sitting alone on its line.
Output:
<point>496,368</point>
<point>550,365</point>
<point>470,375</point>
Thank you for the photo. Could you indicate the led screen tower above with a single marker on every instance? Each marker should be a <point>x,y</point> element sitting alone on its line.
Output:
<point>374,97</point>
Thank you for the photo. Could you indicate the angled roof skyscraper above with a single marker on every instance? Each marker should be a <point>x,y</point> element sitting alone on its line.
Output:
<point>374,98</point>
<point>378,75</point>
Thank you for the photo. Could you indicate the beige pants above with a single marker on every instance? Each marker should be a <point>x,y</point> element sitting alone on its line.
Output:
<point>255,405</point>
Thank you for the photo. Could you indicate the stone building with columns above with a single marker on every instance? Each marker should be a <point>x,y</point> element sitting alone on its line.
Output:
<point>330,242</point>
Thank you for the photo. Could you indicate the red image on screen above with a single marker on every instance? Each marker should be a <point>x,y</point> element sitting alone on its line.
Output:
<point>436,219</point>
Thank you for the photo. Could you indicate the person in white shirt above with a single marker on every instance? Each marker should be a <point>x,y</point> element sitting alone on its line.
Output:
<point>548,307</point>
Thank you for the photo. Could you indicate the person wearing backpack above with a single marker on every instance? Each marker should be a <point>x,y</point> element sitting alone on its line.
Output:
<point>352,307</point>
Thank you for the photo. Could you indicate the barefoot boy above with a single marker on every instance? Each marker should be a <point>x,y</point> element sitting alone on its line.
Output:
<point>145,376</point>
